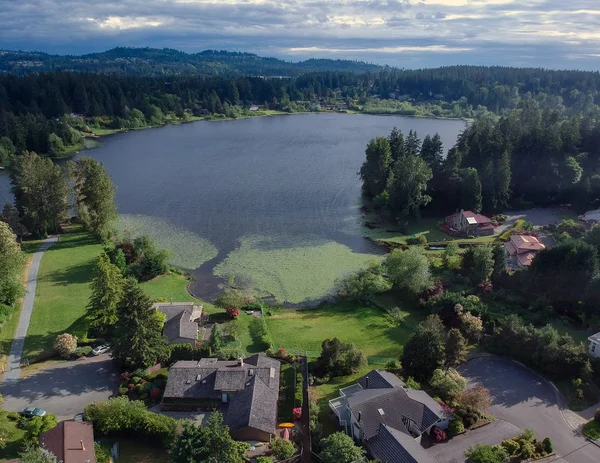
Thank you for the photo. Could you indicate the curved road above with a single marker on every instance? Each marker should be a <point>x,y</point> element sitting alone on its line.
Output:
<point>13,371</point>
<point>526,400</point>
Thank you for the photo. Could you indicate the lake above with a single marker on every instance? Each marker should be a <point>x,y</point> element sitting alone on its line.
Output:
<point>271,203</point>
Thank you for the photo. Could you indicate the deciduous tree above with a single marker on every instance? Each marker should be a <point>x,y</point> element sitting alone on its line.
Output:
<point>12,263</point>
<point>409,269</point>
<point>340,448</point>
<point>339,358</point>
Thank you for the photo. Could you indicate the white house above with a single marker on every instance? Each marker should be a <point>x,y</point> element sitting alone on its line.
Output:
<point>594,347</point>
<point>592,216</point>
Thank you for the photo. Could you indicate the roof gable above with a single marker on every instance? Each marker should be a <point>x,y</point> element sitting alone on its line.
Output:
<point>378,379</point>
<point>70,442</point>
<point>392,446</point>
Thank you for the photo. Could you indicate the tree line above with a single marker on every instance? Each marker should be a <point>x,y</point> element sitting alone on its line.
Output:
<point>33,106</point>
<point>530,157</point>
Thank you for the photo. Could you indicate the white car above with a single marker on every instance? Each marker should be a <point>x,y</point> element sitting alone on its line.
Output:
<point>101,349</point>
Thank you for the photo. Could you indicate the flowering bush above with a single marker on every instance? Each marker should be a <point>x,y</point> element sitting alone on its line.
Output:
<point>232,312</point>
<point>125,377</point>
<point>438,435</point>
<point>437,289</point>
<point>297,414</point>
<point>282,353</point>
<point>486,287</point>
<point>155,393</point>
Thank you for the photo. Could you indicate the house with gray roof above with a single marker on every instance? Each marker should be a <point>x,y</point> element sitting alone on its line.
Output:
<point>247,390</point>
<point>388,418</point>
<point>183,321</point>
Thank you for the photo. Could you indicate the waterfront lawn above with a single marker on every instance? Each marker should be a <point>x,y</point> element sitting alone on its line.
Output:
<point>427,227</point>
<point>368,328</point>
<point>62,291</point>
<point>173,286</point>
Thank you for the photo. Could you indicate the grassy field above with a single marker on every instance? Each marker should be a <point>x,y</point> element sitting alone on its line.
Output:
<point>15,442</point>
<point>289,270</point>
<point>368,328</point>
<point>132,451</point>
<point>62,291</point>
<point>174,287</point>
<point>426,227</point>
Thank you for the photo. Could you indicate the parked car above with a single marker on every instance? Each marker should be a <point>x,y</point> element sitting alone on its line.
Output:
<point>101,349</point>
<point>30,412</point>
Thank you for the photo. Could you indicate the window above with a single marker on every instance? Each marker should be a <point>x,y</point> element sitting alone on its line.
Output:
<point>593,347</point>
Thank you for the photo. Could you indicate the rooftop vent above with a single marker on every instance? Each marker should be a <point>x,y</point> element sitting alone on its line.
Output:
<point>381,412</point>
<point>272,372</point>
<point>198,377</point>
<point>189,381</point>
<point>240,362</point>
<point>250,372</point>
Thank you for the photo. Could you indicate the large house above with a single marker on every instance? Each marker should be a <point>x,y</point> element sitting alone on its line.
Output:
<point>183,321</point>
<point>521,249</point>
<point>388,418</point>
<point>70,442</point>
<point>246,390</point>
<point>470,223</point>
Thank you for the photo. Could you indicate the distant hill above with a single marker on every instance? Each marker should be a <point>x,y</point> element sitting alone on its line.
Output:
<point>168,62</point>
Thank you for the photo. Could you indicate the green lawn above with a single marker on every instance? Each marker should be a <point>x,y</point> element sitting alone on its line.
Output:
<point>592,429</point>
<point>578,335</point>
<point>288,381</point>
<point>368,328</point>
<point>389,233</point>
<point>62,291</point>
<point>15,442</point>
<point>174,287</point>
<point>133,451</point>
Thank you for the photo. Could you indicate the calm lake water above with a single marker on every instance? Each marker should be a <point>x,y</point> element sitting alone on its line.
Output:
<point>274,188</point>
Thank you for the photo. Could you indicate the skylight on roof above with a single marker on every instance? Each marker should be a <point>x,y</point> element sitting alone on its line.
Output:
<point>198,377</point>
<point>381,412</point>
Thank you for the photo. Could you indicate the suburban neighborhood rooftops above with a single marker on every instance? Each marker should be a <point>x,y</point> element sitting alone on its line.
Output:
<point>525,243</point>
<point>396,406</point>
<point>471,217</point>
<point>182,320</point>
<point>70,442</point>
<point>378,379</point>
<point>256,407</point>
<point>526,258</point>
<point>392,446</point>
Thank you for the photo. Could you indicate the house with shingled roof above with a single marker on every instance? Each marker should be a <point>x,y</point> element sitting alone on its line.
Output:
<point>470,223</point>
<point>70,442</point>
<point>247,391</point>
<point>182,323</point>
<point>388,418</point>
<point>521,249</point>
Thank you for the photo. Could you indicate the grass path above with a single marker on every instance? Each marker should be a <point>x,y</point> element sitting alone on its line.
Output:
<point>62,292</point>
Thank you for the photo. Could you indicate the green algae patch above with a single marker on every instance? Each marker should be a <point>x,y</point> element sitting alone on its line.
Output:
<point>289,269</point>
<point>188,250</point>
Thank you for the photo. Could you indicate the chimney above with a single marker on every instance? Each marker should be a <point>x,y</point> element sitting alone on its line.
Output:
<point>171,301</point>
<point>82,446</point>
<point>359,416</point>
<point>240,362</point>
<point>366,382</point>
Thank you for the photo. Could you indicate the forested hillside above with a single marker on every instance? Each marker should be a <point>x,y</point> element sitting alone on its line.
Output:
<point>169,62</point>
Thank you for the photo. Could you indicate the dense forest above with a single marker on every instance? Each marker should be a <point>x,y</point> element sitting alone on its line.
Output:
<point>169,62</point>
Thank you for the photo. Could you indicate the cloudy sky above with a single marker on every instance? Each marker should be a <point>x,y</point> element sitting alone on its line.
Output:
<point>404,33</point>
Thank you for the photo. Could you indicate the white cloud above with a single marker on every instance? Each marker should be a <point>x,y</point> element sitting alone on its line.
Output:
<point>431,32</point>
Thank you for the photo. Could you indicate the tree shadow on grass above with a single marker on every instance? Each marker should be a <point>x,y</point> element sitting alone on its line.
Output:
<point>74,274</point>
<point>39,346</point>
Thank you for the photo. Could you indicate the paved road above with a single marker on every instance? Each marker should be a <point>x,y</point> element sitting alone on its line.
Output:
<point>13,371</point>
<point>537,216</point>
<point>65,388</point>
<point>453,451</point>
<point>526,400</point>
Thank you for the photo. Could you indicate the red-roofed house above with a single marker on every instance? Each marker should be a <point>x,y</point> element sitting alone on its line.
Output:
<point>470,223</point>
<point>70,442</point>
<point>521,249</point>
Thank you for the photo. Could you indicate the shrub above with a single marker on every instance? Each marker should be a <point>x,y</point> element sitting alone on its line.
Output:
<point>456,426</point>
<point>282,448</point>
<point>136,379</point>
<point>263,459</point>
<point>102,455</point>
<point>81,351</point>
<point>511,446</point>
<point>547,443</point>
<point>447,383</point>
<point>232,312</point>
<point>65,345</point>
<point>477,398</point>
<point>470,419</point>
<point>186,352</point>
<point>123,390</point>
<point>411,383</point>
<point>527,450</point>
<point>297,414</point>
<point>299,396</point>
<point>597,415</point>
<point>438,435</point>
<point>481,453</point>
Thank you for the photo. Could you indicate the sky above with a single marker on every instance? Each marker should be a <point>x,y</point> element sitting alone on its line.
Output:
<point>403,33</point>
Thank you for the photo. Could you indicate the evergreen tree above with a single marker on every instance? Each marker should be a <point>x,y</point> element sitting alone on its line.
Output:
<point>500,263</point>
<point>10,215</point>
<point>375,170</point>
<point>12,263</point>
<point>138,340</point>
<point>95,195</point>
<point>423,353</point>
<point>432,152</point>
<point>456,348</point>
<point>40,192</point>
<point>209,443</point>
<point>106,292</point>
<point>407,190</point>
<point>483,264</point>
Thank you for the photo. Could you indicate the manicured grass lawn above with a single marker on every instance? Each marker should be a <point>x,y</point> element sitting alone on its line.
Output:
<point>286,407</point>
<point>427,227</point>
<point>578,335</point>
<point>15,442</point>
<point>62,291</point>
<point>132,451</point>
<point>174,287</point>
<point>592,429</point>
<point>368,328</point>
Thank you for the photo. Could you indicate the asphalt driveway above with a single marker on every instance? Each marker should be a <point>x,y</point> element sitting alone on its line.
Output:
<point>526,400</point>
<point>453,451</point>
<point>65,388</point>
<point>539,217</point>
